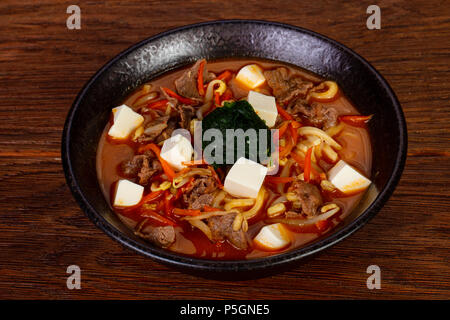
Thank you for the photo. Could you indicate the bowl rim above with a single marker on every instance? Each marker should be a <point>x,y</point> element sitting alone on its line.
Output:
<point>171,258</point>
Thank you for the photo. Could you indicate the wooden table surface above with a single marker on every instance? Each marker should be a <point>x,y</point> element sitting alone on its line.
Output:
<point>43,65</point>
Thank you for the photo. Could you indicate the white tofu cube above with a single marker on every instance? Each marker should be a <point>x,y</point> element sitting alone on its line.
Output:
<point>125,122</point>
<point>348,180</point>
<point>272,237</point>
<point>127,193</point>
<point>245,178</point>
<point>264,106</point>
<point>251,76</point>
<point>176,150</point>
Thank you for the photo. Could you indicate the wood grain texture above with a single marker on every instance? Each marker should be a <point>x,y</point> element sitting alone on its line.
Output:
<point>43,65</point>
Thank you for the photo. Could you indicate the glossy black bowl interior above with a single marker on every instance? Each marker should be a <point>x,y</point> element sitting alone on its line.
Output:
<point>227,39</point>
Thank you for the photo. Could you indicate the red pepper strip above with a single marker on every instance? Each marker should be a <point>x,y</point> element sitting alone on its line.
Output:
<point>159,105</point>
<point>357,121</point>
<point>160,206</point>
<point>227,95</point>
<point>217,98</point>
<point>186,212</point>
<point>307,169</point>
<point>178,194</point>
<point>142,149</point>
<point>277,180</point>
<point>225,76</point>
<point>210,209</point>
<point>166,167</point>
<point>301,163</point>
<point>215,176</point>
<point>322,225</point>
<point>284,114</point>
<point>181,99</point>
<point>157,217</point>
<point>200,88</point>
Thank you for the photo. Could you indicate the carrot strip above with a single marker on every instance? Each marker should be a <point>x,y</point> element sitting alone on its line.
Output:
<point>307,169</point>
<point>151,196</point>
<point>160,206</point>
<point>200,88</point>
<point>357,121</point>
<point>277,180</point>
<point>284,114</point>
<point>287,149</point>
<point>225,76</point>
<point>181,99</point>
<point>148,198</point>
<point>210,209</point>
<point>178,194</point>
<point>186,212</point>
<point>297,159</point>
<point>166,167</point>
<point>294,125</point>
<point>282,129</point>
<point>194,163</point>
<point>156,216</point>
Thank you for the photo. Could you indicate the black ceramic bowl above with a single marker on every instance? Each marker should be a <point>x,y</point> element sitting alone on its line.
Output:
<point>227,39</point>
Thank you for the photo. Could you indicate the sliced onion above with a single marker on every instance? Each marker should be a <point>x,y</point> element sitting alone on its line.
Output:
<point>321,134</point>
<point>305,222</point>
<point>285,173</point>
<point>145,99</point>
<point>202,109</point>
<point>278,200</point>
<point>203,227</point>
<point>209,96</point>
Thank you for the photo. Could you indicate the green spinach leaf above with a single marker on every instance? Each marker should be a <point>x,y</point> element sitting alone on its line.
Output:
<point>237,115</point>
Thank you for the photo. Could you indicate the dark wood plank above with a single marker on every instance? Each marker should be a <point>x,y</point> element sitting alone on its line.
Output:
<point>42,230</point>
